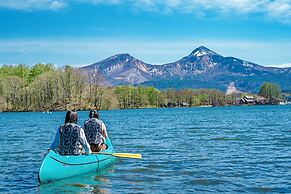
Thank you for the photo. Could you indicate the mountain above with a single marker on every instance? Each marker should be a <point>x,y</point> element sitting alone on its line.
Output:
<point>121,69</point>
<point>202,68</point>
<point>198,62</point>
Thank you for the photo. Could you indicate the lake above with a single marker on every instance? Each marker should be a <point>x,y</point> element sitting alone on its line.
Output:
<point>223,149</point>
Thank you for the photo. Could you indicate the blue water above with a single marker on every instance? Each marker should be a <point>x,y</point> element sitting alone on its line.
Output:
<point>225,149</point>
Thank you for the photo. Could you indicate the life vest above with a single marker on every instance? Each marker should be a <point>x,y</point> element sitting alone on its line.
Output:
<point>92,129</point>
<point>70,139</point>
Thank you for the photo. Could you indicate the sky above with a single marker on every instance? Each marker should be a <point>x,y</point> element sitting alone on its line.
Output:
<point>82,32</point>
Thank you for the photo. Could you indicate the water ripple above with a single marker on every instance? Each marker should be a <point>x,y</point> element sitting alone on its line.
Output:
<point>204,150</point>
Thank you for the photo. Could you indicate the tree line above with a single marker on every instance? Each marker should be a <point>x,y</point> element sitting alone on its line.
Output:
<point>43,87</point>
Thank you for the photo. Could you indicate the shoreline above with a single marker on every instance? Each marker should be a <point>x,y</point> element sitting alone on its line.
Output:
<point>201,106</point>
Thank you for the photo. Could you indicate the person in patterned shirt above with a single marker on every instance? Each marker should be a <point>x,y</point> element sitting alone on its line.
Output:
<point>70,138</point>
<point>95,131</point>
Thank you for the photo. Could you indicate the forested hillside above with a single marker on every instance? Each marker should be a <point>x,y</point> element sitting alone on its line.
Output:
<point>44,87</point>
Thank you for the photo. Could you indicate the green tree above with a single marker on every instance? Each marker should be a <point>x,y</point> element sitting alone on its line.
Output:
<point>22,71</point>
<point>2,103</point>
<point>39,69</point>
<point>12,92</point>
<point>271,91</point>
<point>152,95</point>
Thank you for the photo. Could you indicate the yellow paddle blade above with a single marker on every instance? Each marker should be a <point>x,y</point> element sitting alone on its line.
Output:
<point>121,155</point>
<point>127,155</point>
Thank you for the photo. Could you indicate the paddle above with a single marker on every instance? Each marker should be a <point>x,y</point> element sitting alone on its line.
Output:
<point>121,155</point>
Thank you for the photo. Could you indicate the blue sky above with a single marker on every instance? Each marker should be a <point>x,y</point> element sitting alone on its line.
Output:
<point>80,32</point>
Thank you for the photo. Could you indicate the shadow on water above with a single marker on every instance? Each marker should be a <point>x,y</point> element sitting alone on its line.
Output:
<point>89,183</point>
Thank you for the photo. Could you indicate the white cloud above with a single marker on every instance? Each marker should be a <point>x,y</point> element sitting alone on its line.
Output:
<point>279,10</point>
<point>276,9</point>
<point>29,5</point>
<point>55,5</point>
<point>101,1</point>
<point>78,51</point>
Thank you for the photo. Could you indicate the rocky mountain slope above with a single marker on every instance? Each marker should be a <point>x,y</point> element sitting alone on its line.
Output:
<point>202,68</point>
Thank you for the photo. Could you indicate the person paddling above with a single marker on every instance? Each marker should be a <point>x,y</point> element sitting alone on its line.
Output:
<point>95,131</point>
<point>70,138</point>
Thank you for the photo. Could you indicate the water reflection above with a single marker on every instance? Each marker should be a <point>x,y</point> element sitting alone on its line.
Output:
<point>89,183</point>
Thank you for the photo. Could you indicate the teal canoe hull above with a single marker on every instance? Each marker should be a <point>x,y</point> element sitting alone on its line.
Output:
<point>56,166</point>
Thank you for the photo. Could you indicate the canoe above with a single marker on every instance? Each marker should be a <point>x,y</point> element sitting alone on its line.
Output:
<point>56,166</point>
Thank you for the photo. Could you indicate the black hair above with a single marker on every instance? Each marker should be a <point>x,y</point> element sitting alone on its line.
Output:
<point>71,117</point>
<point>94,114</point>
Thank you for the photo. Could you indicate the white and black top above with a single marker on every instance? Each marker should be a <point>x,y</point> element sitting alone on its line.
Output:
<point>93,129</point>
<point>70,139</point>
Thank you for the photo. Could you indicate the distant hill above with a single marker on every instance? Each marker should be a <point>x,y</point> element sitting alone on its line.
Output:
<point>202,68</point>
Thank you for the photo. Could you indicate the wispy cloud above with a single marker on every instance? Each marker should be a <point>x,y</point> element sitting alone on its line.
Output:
<point>78,51</point>
<point>279,10</point>
<point>101,1</point>
<point>275,9</point>
<point>30,5</point>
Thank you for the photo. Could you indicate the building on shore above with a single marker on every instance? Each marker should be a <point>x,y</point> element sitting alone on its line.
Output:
<point>260,100</point>
<point>247,100</point>
<point>287,100</point>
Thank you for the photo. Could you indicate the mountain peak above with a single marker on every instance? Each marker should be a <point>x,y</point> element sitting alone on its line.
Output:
<point>123,54</point>
<point>203,48</point>
<point>201,51</point>
<point>120,57</point>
